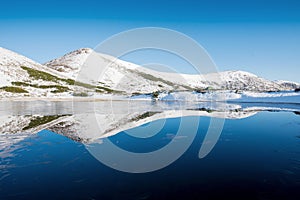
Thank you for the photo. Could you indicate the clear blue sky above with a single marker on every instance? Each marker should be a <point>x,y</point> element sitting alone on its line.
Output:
<point>262,37</point>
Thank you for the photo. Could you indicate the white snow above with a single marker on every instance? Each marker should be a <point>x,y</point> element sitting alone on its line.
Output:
<point>290,84</point>
<point>279,97</point>
<point>271,94</point>
<point>193,96</point>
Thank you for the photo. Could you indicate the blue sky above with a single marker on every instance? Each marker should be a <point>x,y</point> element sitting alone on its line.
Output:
<point>262,37</point>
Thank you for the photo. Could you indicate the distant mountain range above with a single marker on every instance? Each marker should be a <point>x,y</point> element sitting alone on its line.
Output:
<point>22,77</point>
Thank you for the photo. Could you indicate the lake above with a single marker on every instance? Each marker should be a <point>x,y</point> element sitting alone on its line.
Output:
<point>149,150</point>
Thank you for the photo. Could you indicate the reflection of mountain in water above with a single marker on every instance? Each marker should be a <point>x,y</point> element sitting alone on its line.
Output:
<point>88,122</point>
<point>89,127</point>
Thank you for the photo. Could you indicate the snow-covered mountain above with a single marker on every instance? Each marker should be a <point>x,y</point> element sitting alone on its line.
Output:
<point>124,76</point>
<point>288,84</point>
<point>22,77</point>
<point>114,74</point>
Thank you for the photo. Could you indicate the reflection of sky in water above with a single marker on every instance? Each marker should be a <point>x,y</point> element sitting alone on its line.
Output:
<point>256,157</point>
<point>157,141</point>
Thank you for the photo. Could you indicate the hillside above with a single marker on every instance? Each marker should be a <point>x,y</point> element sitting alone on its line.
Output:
<point>124,76</point>
<point>99,74</point>
<point>23,77</point>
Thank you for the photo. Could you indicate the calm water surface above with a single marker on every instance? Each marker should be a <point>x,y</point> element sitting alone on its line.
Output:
<point>256,157</point>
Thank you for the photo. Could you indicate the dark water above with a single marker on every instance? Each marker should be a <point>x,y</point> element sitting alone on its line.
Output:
<point>255,158</point>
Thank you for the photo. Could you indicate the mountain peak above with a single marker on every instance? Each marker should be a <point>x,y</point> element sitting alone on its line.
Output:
<point>240,73</point>
<point>80,51</point>
<point>289,84</point>
<point>70,63</point>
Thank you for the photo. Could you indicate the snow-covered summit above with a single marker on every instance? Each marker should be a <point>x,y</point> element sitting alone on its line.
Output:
<point>241,80</point>
<point>116,74</point>
<point>70,63</point>
<point>289,84</point>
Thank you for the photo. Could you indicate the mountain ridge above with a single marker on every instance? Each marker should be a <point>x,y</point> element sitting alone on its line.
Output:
<point>118,77</point>
<point>232,80</point>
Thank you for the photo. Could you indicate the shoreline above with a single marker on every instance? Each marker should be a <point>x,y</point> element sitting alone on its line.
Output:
<point>83,99</point>
<point>55,99</point>
<point>68,99</point>
<point>247,97</point>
